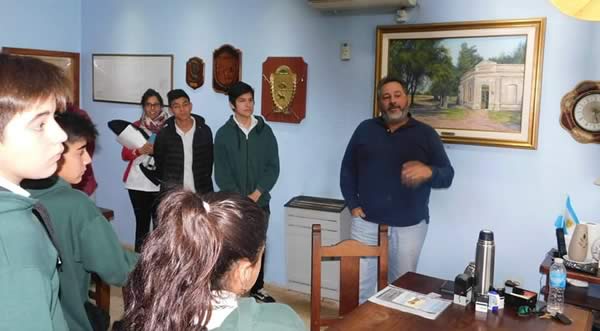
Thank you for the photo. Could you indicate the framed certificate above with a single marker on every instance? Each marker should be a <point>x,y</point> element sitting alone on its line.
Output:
<point>123,78</point>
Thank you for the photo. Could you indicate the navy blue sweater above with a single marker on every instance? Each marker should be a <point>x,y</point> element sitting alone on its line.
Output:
<point>371,171</point>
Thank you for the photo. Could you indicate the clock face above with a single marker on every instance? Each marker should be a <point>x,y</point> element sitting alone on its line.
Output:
<point>587,112</point>
<point>580,112</point>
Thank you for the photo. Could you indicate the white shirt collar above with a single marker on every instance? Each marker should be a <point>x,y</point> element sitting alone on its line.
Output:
<point>246,131</point>
<point>191,130</point>
<point>13,187</point>
<point>223,303</point>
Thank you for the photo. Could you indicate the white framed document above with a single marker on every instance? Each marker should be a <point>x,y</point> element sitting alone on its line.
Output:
<point>123,78</point>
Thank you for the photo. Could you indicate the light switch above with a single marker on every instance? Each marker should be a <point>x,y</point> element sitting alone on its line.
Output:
<point>345,53</point>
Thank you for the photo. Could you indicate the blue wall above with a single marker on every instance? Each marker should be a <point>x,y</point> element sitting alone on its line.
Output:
<point>339,93</point>
<point>41,24</point>
<point>516,193</point>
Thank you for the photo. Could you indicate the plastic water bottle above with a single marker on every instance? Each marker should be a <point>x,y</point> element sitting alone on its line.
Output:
<point>558,282</point>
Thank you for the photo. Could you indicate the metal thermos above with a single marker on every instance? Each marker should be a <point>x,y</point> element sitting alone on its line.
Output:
<point>484,262</point>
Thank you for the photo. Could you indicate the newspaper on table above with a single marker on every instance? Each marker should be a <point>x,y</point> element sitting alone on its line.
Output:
<point>429,306</point>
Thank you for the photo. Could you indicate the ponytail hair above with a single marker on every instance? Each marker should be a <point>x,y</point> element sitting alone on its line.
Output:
<point>189,256</point>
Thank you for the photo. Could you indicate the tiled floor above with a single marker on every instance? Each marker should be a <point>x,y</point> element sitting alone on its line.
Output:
<point>300,302</point>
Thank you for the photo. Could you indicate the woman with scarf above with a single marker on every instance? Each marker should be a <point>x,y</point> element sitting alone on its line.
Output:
<point>142,191</point>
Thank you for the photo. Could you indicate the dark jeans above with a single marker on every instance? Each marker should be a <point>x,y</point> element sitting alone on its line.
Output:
<point>260,282</point>
<point>144,208</point>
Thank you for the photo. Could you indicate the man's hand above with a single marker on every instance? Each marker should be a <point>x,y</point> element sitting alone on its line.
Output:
<point>146,149</point>
<point>414,173</point>
<point>254,196</point>
<point>358,212</point>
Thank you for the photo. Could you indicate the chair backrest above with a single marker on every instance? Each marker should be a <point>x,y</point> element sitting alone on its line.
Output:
<point>349,252</point>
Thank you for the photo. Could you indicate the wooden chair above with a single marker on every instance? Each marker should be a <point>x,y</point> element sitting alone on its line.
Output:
<point>349,252</point>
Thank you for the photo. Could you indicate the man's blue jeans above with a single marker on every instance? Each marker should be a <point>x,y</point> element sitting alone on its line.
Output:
<point>405,244</point>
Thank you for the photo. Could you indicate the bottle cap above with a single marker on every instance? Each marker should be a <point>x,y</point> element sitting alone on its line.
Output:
<point>558,260</point>
<point>486,235</point>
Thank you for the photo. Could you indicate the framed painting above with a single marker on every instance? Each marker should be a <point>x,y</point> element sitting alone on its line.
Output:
<point>67,61</point>
<point>474,82</point>
<point>123,78</point>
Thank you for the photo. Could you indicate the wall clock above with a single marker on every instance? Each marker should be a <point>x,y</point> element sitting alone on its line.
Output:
<point>580,112</point>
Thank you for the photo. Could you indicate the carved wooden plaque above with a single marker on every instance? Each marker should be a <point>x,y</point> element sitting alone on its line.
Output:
<point>284,89</point>
<point>227,68</point>
<point>194,72</point>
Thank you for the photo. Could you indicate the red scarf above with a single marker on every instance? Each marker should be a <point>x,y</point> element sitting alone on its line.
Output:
<point>154,125</point>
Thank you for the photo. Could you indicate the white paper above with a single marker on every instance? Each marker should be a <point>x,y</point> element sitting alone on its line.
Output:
<point>131,138</point>
<point>427,306</point>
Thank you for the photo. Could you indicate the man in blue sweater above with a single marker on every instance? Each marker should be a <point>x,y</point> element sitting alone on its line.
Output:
<point>390,165</point>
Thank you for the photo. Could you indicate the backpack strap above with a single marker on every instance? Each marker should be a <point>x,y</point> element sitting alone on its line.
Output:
<point>42,215</point>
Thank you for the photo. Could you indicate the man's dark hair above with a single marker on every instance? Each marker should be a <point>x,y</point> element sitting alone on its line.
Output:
<point>386,80</point>
<point>238,89</point>
<point>152,93</point>
<point>77,127</point>
<point>176,94</point>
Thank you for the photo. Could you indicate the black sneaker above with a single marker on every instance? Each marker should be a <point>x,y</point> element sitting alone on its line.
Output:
<point>263,296</point>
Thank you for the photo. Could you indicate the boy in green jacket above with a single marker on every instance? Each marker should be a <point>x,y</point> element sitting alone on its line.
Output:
<point>86,239</point>
<point>247,159</point>
<point>30,145</point>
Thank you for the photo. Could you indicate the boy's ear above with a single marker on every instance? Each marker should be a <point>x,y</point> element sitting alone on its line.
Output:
<point>232,106</point>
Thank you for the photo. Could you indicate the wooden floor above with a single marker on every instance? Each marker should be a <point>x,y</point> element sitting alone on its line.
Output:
<point>300,302</point>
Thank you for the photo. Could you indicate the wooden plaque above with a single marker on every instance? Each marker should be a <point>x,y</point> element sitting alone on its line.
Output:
<point>284,89</point>
<point>194,72</point>
<point>227,68</point>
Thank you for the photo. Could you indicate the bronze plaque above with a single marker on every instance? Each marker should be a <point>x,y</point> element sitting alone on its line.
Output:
<point>227,68</point>
<point>284,89</point>
<point>194,72</point>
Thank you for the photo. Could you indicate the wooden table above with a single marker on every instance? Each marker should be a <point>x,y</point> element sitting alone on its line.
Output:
<point>370,316</point>
<point>577,296</point>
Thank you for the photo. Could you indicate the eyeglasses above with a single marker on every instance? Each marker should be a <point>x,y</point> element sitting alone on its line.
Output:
<point>152,105</point>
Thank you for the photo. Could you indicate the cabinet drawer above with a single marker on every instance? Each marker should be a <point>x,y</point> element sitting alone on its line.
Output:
<point>312,214</point>
<point>305,222</point>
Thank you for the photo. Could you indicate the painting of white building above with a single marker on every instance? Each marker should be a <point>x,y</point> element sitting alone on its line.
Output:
<point>492,86</point>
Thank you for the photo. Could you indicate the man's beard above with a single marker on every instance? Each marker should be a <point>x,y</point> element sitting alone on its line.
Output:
<point>396,117</point>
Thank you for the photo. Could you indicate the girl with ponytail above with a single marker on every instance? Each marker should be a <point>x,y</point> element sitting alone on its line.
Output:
<point>197,266</point>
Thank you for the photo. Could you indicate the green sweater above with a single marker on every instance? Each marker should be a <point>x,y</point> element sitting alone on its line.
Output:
<point>28,276</point>
<point>88,244</point>
<point>250,316</point>
<point>245,165</point>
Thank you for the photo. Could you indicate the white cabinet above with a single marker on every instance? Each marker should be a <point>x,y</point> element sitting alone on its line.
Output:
<point>301,213</point>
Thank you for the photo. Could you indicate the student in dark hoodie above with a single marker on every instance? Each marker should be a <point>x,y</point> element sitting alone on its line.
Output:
<point>31,91</point>
<point>247,159</point>
<point>183,149</point>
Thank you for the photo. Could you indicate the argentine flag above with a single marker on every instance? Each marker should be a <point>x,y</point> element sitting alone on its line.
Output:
<point>568,220</point>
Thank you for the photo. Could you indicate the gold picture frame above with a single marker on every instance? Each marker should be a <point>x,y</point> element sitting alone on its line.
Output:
<point>475,82</point>
<point>68,61</point>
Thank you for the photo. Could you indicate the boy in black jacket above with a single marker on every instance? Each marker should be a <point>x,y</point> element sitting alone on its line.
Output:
<point>183,150</point>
